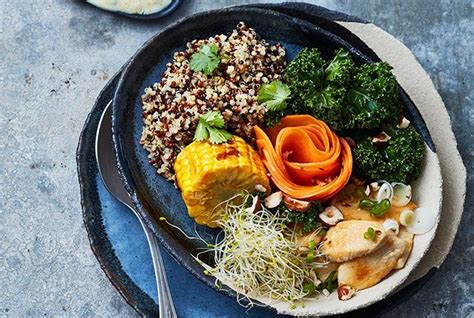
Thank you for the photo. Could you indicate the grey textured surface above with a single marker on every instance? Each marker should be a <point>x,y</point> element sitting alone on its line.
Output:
<point>56,55</point>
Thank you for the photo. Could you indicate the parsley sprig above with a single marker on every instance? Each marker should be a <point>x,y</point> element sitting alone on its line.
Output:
<point>210,127</point>
<point>206,60</point>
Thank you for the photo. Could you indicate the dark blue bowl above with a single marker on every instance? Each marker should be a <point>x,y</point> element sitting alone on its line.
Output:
<point>152,195</point>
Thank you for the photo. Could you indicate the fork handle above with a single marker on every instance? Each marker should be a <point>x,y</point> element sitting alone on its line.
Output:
<point>165,301</point>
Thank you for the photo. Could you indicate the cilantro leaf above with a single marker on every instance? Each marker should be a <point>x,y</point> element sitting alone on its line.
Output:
<point>201,133</point>
<point>214,119</point>
<point>218,136</point>
<point>274,95</point>
<point>206,60</point>
<point>210,127</point>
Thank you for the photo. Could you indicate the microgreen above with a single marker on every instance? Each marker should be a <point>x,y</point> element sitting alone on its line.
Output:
<point>310,256</point>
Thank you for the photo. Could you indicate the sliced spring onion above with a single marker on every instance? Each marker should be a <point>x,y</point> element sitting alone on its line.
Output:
<point>424,221</point>
<point>407,217</point>
<point>370,234</point>
<point>385,192</point>
<point>380,208</point>
<point>310,255</point>
<point>401,194</point>
<point>375,208</point>
<point>329,285</point>
<point>366,204</point>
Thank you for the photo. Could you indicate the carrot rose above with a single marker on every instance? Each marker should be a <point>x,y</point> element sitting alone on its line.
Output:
<point>306,160</point>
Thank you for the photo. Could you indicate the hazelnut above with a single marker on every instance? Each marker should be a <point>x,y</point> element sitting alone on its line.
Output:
<point>295,204</point>
<point>345,292</point>
<point>274,200</point>
<point>331,215</point>
<point>381,138</point>
<point>403,123</point>
<point>256,205</point>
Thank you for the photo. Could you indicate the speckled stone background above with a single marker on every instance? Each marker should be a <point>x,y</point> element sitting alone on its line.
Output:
<point>56,55</point>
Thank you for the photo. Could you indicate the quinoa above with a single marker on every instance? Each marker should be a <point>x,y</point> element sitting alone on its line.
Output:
<point>171,107</point>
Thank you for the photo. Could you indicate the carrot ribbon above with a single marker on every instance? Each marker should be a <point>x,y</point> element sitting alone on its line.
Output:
<point>306,160</point>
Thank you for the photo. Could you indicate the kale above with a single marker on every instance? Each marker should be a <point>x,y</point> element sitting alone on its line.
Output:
<point>305,74</point>
<point>399,160</point>
<point>328,106</point>
<point>339,70</point>
<point>318,88</point>
<point>345,96</point>
<point>373,98</point>
<point>308,220</point>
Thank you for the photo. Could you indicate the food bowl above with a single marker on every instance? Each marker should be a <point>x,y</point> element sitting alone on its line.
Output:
<point>154,197</point>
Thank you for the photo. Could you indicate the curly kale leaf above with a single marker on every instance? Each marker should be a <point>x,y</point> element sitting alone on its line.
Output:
<point>308,220</point>
<point>373,98</point>
<point>328,105</point>
<point>306,72</point>
<point>340,68</point>
<point>398,161</point>
<point>317,87</point>
<point>339,93</point>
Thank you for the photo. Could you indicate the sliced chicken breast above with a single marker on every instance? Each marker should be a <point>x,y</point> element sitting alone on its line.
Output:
<point>346,241</point>
<point>366,271</point>
<point>407,237</point>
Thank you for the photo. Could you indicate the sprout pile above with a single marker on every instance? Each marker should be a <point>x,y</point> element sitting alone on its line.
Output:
<point>255,254</point>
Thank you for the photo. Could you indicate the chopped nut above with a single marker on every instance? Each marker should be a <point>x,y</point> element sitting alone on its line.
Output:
<point>381,138</point>
<point>345,292</point>
<point>403,123</point>
<point>295,204</point>
<point>260,188</point>
<point>256,205</point>
<point>331,215</point>
<point>367,190</point>
<point>375,186</point>
<point>274,200</point>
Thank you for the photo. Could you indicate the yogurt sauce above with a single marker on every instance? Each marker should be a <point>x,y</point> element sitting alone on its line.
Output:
<point>132,6</point>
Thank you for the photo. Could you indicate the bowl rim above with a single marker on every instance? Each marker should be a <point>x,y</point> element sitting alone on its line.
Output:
<point>185,258</point>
